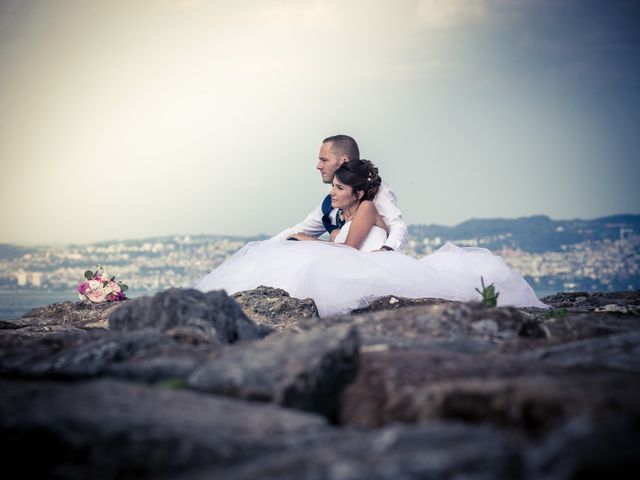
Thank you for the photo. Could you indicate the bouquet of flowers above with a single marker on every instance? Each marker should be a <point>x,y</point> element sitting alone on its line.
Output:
<point>98,287</point>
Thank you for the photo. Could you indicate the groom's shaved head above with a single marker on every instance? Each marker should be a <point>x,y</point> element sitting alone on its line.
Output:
<point>343,145</point>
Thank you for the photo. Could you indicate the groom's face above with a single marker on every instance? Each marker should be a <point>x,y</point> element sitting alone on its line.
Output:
<point>328,162</point>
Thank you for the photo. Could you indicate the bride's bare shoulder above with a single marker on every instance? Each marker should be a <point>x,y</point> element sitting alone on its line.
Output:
<point>367,207</point>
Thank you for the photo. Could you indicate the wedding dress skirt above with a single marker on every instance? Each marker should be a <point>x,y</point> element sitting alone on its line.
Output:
<point>340,278</point>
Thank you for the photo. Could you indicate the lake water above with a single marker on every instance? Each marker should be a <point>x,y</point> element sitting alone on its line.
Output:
<point>14,304</point>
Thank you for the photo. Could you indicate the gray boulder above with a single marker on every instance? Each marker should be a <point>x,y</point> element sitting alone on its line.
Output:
<point>188,312</point>
<point>39,328</point>
<point>395,452</point>
<point>512,391</point>
<point>619,302</point>
<point>113,429</point>
<point>275,307</point>
<point>505,329</point>
<point>393,302</point>
<point>306,371</point>
<point>80,314</point>
<point>583,448</point>
<point>20,353</point>
<point>612,352</point>
<point>415,327</point>
<point>148,355</point>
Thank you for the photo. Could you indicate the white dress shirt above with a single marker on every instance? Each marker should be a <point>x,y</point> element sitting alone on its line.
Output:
<point>387,205</point>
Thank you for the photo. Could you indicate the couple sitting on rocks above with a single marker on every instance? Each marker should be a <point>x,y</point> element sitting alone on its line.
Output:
<point>361,259</point>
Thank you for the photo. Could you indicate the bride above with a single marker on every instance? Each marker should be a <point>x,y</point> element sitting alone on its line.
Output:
<point>348,271</point>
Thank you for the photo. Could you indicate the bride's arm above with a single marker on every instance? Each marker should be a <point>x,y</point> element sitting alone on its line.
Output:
<point>305,237</point>
<point>302,236</point>
<point>364,219</point>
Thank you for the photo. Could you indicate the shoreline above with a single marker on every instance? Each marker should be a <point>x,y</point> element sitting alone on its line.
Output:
<point>15,303</point>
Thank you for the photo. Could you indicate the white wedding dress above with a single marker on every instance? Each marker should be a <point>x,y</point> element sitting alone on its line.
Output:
<point>340,278</point>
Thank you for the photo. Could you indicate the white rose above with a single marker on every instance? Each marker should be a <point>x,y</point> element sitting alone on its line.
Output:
<point>95,285</point>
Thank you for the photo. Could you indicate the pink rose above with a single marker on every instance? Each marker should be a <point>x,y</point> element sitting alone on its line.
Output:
<point>115,288</point>
<point>96,296</point>
<point>83,287</point>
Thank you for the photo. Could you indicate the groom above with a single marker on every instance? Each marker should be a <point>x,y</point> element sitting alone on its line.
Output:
<point>334,151</point>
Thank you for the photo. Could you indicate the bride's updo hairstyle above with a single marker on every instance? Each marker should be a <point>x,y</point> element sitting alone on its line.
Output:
<point>362,176</point>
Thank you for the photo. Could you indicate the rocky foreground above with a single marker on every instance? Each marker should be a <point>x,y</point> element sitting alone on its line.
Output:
<point>197,386</point>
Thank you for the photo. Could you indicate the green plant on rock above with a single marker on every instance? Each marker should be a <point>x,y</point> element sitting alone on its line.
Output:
<point>489,294</point>
<point>556,313</point>
<point>173,383</point>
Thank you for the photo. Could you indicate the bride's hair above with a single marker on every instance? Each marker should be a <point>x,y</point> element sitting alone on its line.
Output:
<point>362,176</point>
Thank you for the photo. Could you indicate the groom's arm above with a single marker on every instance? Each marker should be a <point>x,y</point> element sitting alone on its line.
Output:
<point>312,225</point>
<point>387,205</point>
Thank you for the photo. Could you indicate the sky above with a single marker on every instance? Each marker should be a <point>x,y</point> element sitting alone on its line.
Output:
<point>129,119</point>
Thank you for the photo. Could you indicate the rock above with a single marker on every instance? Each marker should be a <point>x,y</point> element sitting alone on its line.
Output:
<point>614,308</point>
<point>532,403</point>
<point>591,301</point>
<point>505,390</point>
<point>211,315</point>
<point>486,326</point>
<point>147,355</point>
<point>442,389</point>
<point>615,352</point>
<point>392,302</point>
<point>28,322</point>
<point>568,327</point>
<point>396,452</point>
<point>114,429</point>
<point>77,313</point>
<point>385,389</point>
<point>20,352</point>
<point>42,330</point>
<point>585,449</point>
<point>306,371</point>
<point>416,327</point>
<point>275,307</point>
<point>534,329</point>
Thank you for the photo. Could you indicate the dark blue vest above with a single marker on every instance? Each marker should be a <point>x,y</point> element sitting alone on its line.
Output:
<point>326,219</point>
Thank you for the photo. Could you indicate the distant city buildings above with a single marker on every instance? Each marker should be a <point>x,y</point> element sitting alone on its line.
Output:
<point>24,279</point>
<point>151,265</point>
<point>144,266</point>
<point>590,265</point>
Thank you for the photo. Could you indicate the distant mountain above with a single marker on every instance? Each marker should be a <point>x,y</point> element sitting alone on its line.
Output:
<point>175,238</point>
<point>535,234</point>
